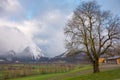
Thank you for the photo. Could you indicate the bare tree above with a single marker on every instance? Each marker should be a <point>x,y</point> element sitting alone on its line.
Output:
<point>92,31</point>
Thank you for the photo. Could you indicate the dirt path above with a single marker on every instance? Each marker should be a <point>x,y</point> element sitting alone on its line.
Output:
<point>104,67</point>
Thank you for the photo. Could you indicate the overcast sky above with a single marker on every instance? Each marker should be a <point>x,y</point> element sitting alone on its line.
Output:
<point>43,21</point>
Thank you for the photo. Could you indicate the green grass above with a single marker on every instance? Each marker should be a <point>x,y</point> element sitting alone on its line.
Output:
<point>59,76</point>
<point>83,73</point>
<point>106,75</point>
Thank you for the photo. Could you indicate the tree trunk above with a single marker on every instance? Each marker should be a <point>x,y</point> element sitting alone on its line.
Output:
<point>96,66</point>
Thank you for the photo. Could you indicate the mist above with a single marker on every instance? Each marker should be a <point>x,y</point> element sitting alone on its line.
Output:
<point>13,39</point>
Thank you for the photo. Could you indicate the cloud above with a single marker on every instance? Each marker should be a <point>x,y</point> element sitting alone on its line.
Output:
<point>17,35</point>
<point>9,7</point>
<point>45,29</point>
<point>12,38</point>
<point>56,44</point>
<point>53,17</point>
<point>39,21</point>
<point>51,35</point>
<point>28,27</point>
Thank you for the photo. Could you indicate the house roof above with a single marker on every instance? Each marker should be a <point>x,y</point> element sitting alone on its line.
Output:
<point>114,57</point>
<point>104,56</point>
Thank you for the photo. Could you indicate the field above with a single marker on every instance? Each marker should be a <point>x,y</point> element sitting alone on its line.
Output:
<point>8,71</point>
<point>58,72</point>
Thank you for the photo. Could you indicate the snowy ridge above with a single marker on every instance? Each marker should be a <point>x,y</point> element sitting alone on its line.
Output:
<point>17,45</point>
<point>32,51</point>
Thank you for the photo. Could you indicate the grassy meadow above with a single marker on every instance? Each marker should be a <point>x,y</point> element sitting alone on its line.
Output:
<point>105,75</point>
<point>58,71</point>
<point>8,71</point>
<point>79,69</point>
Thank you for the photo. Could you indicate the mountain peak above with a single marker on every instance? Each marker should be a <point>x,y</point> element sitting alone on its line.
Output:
<point>11,52</point>
<point>33,51</point>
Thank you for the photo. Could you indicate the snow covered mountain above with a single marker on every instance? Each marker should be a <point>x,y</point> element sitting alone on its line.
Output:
<point>32,51</point>
<point>77,55</point>
<point>29,53</point>
<point>15,44</point>
<point>62,55</point>
<point>10,55</point>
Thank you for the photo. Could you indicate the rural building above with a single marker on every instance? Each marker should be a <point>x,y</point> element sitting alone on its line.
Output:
<point>113,60</point>
<point>110,60</point>
<point>102,60</point>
